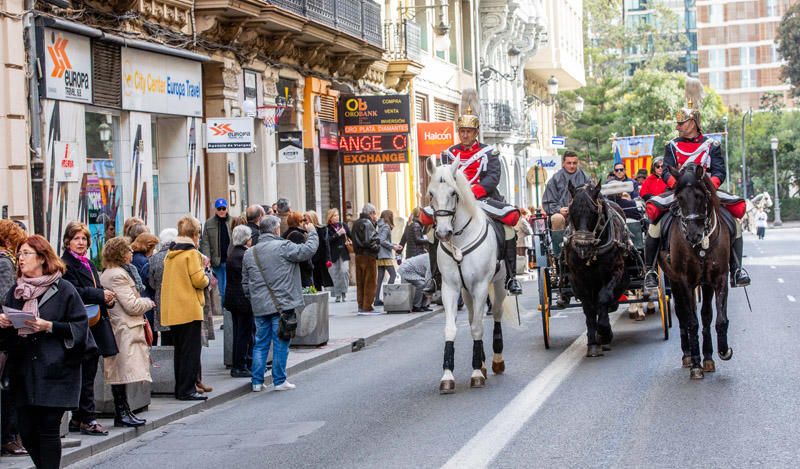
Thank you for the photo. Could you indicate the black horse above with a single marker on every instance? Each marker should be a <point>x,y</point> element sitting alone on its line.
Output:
<point>596,245</point>
<point>698,257</point>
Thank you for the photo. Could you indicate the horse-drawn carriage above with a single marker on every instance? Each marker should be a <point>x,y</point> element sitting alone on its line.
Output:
<point>553,272</point>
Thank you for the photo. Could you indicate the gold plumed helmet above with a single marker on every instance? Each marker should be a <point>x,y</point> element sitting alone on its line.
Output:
<point>694,98</point>
<point>468,120</point>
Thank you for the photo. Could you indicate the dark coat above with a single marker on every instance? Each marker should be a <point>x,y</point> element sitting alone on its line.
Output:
<point>414,239</point>
<point>365,237</point>
<point>322,278</point>
<point>235,300</point>
<point>44,369</point>
<point>142,264</point>
<point>336,247</point>
<point>91,292</point>
<point>254,232</point>
<point>298,236</point>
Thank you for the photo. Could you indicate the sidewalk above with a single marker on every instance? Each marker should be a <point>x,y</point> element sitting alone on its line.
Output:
<point>348,333</point>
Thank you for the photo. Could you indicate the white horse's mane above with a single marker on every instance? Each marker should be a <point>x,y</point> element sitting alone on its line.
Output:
<point>444,174</point>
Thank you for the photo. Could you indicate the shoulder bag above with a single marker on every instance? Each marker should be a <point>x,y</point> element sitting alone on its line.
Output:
<point>287,327</point>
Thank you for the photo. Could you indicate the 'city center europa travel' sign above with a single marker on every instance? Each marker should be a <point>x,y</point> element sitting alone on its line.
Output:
<point>374,129</point>
<point>161,84</point>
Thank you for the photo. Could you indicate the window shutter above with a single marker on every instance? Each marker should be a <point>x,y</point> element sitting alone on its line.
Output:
<point>421,107</point>
<point>444,111</point>
<point>106,74</point>
<point>327,108</point>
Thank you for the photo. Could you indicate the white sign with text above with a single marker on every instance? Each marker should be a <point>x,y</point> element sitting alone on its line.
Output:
<point>160,83</point>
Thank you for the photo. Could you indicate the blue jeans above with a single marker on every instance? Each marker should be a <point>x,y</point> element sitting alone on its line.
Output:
<point>221,275</point>
<point>266,333</point>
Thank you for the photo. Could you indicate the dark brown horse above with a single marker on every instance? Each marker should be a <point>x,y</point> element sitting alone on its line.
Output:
<point>699,249</point>
<point>596,244</point>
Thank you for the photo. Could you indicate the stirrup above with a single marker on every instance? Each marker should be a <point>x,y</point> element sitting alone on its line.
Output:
<point>513,287</point>
<point>740,278</point>
<point>651,280</point>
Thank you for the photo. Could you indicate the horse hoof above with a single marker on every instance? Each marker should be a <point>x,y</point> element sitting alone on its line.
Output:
<point>477,382</point>
<point>594,351</point>
<point>632,314</point>
<point>696,373</point>
<point>606,348</point>
<point>708,366</point>
<point>687,362</point>
<point>651,310</point>
<point>498,368</point>
<point>447,387</point>
<point>727,356</point>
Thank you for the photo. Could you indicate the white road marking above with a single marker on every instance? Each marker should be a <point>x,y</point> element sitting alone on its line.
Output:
<point>780,280</point>
<point>772,267</point>
<point>791,298</point>
<point>495,435</point>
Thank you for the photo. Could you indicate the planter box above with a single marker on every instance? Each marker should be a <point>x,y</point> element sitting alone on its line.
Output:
<point>313,327</point>
<point>227,338</point>
<point>138,394</point>
<point>162,369</point>
<point>398,298</point>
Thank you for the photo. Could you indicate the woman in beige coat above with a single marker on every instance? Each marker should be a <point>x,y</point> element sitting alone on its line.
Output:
<point>132,363</point>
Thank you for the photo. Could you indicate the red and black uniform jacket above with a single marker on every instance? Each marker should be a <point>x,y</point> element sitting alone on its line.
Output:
<point>480,164</point>
<point>700,150</point>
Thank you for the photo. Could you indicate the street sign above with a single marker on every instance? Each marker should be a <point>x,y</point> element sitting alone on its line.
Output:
<point>558,141</point>
<point>229,135</point>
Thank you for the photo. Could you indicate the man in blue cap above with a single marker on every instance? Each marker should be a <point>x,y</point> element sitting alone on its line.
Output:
<point>216,240</point>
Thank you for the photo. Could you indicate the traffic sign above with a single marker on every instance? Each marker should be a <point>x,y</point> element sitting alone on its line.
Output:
<point>558,142</point>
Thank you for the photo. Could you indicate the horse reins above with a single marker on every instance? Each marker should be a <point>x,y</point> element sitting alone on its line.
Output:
<point>709,224</point>
<point>594,237</point>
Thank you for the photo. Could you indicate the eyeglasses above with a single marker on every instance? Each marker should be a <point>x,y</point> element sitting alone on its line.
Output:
<point>619,170</point>
<point>26,253</point>
<point>222,209</point>
<point>659,166</point>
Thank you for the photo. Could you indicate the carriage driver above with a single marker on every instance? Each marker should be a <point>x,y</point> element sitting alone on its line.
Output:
<point>480,163</point>
<point>692,146</point>
<point>556,193</point>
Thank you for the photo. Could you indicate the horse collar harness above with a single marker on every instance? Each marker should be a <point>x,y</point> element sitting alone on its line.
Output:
<point>594,238</point>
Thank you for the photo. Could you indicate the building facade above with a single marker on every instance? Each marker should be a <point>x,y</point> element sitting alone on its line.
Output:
<point>641,15</point>
<point>738,54</point>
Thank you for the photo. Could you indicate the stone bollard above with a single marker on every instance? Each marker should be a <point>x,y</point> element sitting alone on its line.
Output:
<point>313,327</point>
<point>138,394</point>
<point>398,297</point>
<point>162,370</point>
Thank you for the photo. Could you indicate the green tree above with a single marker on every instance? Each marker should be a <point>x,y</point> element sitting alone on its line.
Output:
<point>789,46</point>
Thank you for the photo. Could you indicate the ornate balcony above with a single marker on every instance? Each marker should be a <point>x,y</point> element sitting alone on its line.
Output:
<point>358,18</point>
<point>497,117</point>
<point>403,53</point>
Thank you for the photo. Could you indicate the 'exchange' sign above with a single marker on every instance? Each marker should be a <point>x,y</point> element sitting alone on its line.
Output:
<point>374,129</point>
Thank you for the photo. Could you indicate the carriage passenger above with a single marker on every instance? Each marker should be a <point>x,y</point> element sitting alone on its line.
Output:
<point>556,194</point>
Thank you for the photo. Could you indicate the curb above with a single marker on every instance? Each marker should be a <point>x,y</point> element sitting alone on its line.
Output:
<point>88,451</point>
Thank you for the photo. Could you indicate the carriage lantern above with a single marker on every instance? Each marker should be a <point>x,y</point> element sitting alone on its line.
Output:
<point>539,222</point>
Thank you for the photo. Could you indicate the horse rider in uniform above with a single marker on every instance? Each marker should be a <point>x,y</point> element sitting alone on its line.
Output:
<point>691,146</point>
<point>480,163</point>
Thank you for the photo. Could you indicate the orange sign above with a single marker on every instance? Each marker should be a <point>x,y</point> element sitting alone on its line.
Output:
<point>434,137</point>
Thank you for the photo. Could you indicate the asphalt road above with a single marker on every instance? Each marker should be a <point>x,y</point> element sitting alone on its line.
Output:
<point>634,407</point>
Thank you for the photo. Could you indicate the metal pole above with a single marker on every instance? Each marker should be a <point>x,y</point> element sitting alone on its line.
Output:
<point>727,167</point>
<point>37,163</point>
<point>777,221</point>
<point>744,154</point>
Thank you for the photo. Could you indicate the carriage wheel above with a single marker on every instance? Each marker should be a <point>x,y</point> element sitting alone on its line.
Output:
<point>663,304</point>
<point>544,304</point>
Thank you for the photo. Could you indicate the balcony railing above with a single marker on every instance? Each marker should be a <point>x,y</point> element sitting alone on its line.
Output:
<point>497,117</point>
<point>402,41</point>
<point>358,18</point>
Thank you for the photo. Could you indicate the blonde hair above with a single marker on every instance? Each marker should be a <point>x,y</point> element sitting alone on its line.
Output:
<point>115,252</point>
<point>189,227</point>
<point>145,243</point>
<point>330,214</point>
<point>312,216</point>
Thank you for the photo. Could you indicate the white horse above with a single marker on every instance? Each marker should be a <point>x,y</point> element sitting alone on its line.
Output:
<point>761,201</point>
<point>467,259</point>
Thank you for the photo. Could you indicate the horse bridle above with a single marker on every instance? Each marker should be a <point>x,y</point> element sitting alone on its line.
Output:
<point>452,213</point>
<point>594,238</point>
<point>708,228</point>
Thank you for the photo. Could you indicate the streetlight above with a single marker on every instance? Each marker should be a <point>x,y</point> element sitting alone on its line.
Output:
<point>727,168</point>
<point>774,144</point>
<point>749,113</point>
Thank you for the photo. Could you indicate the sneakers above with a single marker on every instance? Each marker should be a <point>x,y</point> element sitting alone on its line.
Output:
<point>651,280</point>
<point>371,312</point>
<point>258,387</point>
<point>285,386</point>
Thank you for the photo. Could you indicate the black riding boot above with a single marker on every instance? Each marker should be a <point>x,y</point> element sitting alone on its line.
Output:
<point>435,281</point>
<point>650,253</point>
<point>512,285</point>
<point>123,417</point>
<point>739,276</point>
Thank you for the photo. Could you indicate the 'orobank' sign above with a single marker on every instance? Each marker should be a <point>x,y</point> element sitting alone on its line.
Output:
<point>161,84</point>
<point>68,66</point>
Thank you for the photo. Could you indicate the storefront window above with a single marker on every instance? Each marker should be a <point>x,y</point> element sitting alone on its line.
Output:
<point>100,192</point>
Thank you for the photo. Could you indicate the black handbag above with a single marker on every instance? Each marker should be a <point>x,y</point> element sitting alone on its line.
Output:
<point>104,337</point>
